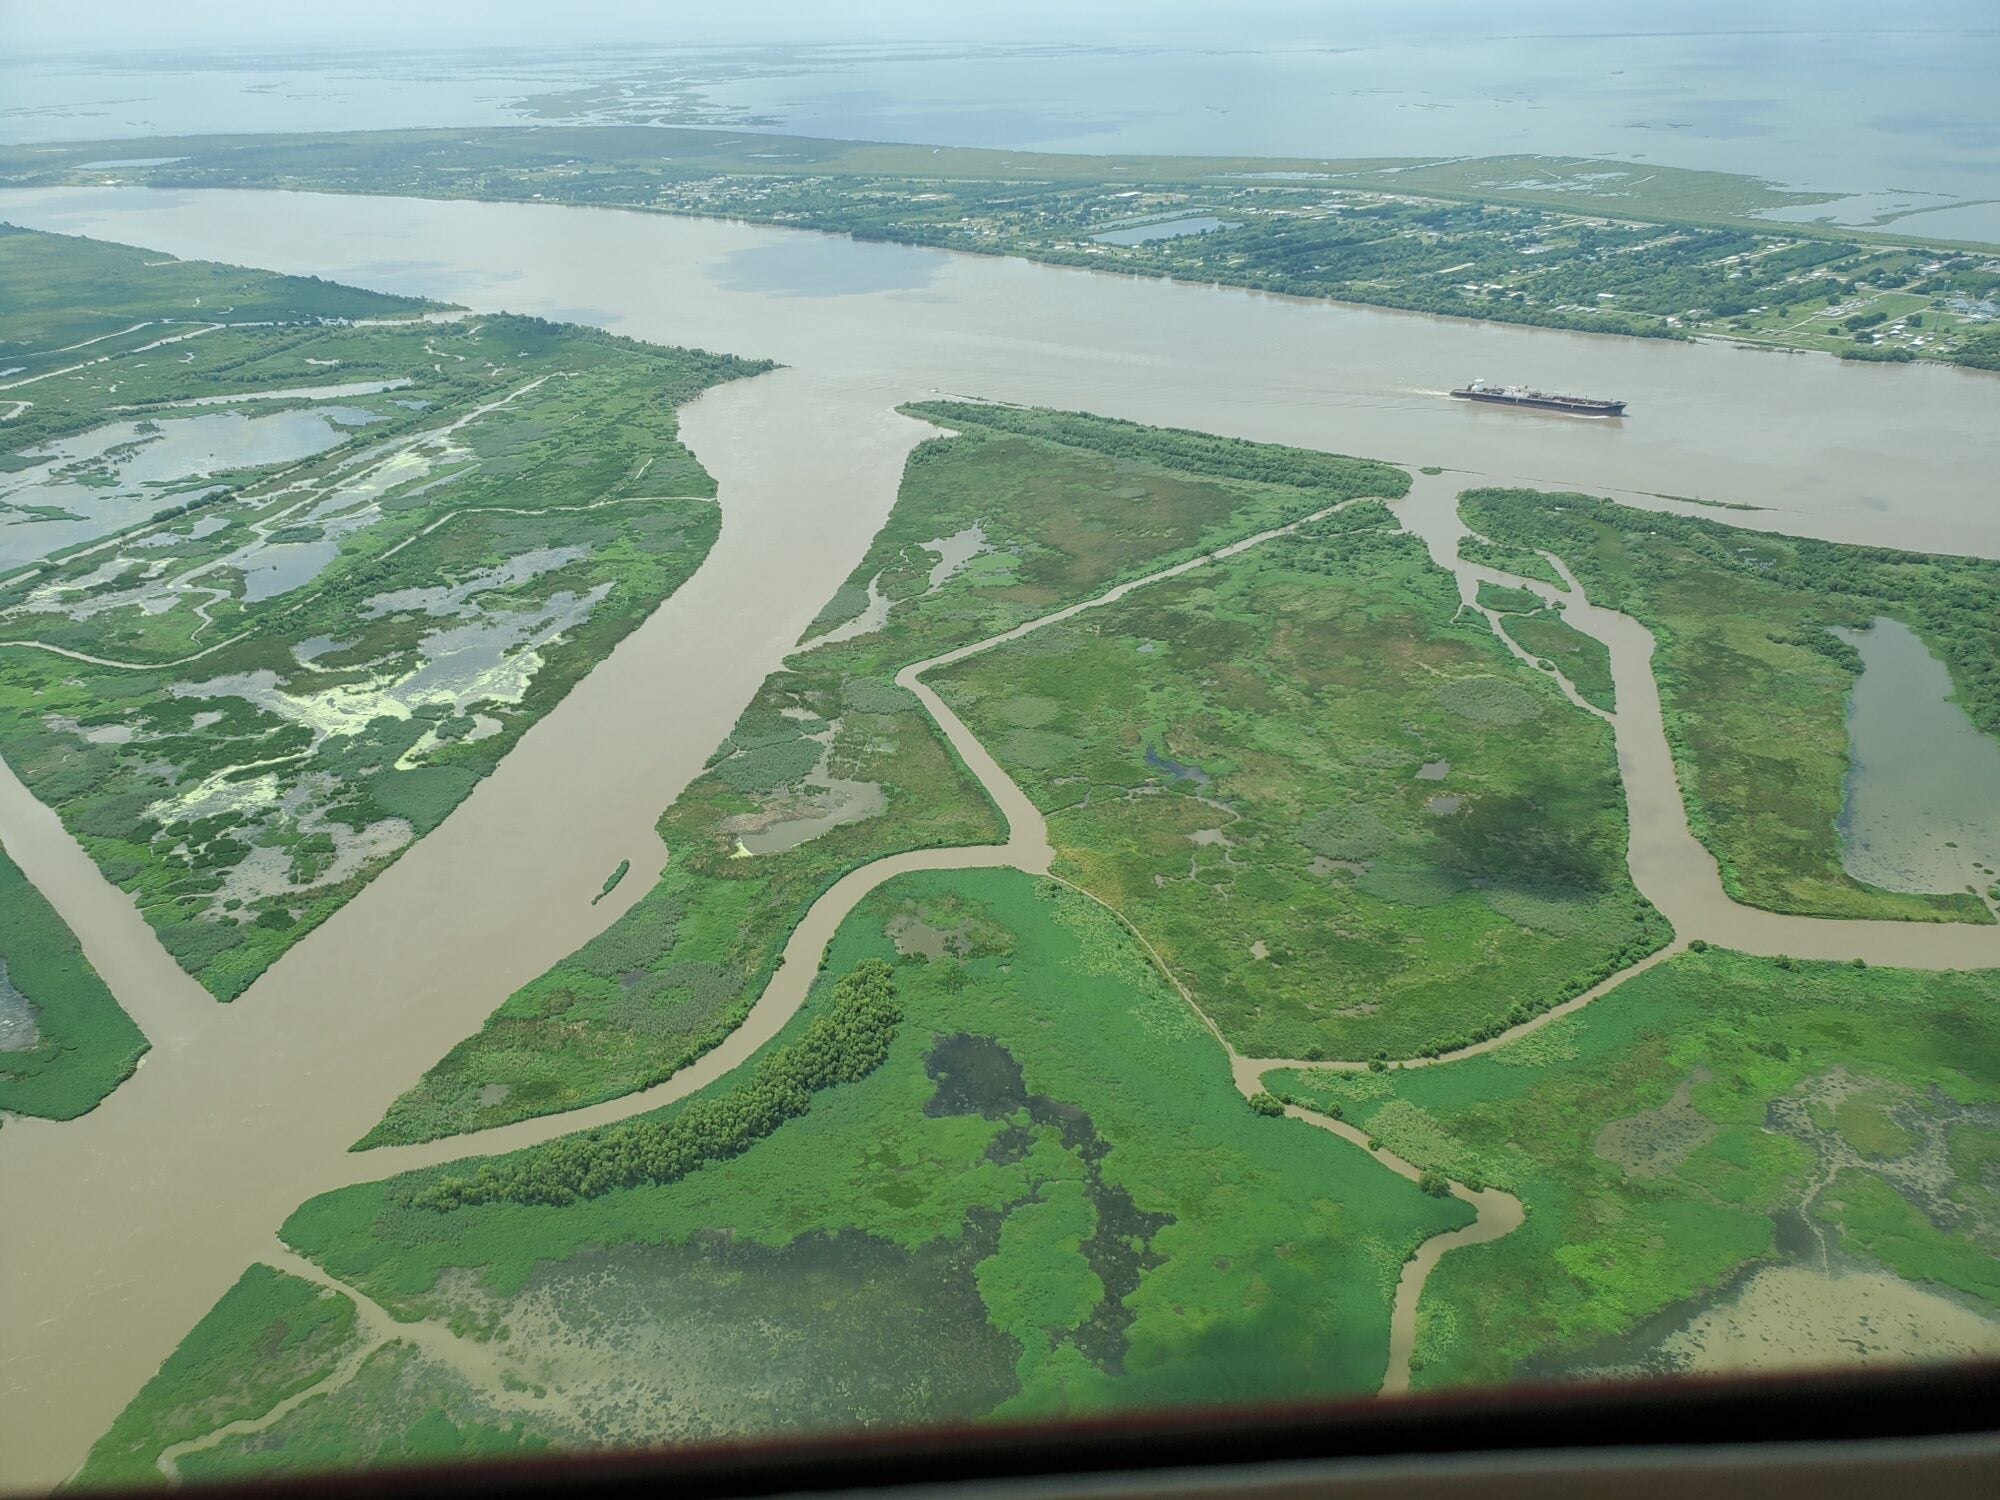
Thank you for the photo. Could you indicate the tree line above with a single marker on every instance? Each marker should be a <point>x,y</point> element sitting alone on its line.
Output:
<point>845,1044</point>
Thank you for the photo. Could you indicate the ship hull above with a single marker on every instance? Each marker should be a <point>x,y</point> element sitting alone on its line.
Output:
<point>1571,405</point>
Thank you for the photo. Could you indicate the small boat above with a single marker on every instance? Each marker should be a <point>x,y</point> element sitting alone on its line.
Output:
<point>1520,395</point>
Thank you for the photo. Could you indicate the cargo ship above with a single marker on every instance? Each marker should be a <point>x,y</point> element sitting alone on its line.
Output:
<point>1520,395</point>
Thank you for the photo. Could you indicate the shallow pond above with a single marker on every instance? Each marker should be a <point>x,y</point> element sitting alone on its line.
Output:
<point>312,648</point>
<point>842,802</point>
<point>1923,787</point>
<point>18,1031</point>
<point>1174,768</point>
<point>484,657</point>
<point>954,552</point>
<point>119,474</point>
<point>168,537</point>
<point>281,567</point>
<point>870,620</point>
<point>1794,1317</point>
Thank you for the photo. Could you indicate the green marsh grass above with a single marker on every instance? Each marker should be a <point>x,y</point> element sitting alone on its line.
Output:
<point>86,1044</point>
<point>1136,1233</point>
<point>271,1336</point>
<point>1754,684</point>
<point>1655,1135</point>
<point>1068,505</point>
<point>1349,820</point>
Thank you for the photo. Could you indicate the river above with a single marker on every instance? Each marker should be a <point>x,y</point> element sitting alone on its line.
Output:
<point>1902,455</point>
<point>124,1226</point>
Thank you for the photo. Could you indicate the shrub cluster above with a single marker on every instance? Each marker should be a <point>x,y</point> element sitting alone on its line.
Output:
<point>843,1045</point>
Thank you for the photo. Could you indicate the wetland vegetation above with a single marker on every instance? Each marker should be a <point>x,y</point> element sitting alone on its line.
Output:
<point>1754,680</point>
<point>64,1041</point>
<point>1346,818</point>
<point>1009,1159</point>
<point>1016,515</point>
<point>1046,1197</point>
<point>270,1337</point>
<point>1712,1115</point>
<point>284,595</point>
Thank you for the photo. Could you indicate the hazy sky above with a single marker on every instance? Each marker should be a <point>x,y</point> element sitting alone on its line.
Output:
<point>209,24</point>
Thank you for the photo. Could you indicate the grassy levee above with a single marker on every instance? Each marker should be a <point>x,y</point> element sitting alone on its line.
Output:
<point>246,689</point>
<point>1658,1136</point>
<point>271,1336</point>
<point>1753,684</point>
<point>1047,509</point>
<point>64,1041</point>
<point>1047,1197</point>
<point>1348,818</point>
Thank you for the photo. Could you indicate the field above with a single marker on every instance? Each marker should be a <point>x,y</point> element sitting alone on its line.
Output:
<point>1304,775</point>
<point>1712,1114</point>
<point>832,765</point>
<point>1603,246</point>
<point>274,602</point>
<point>64,1042</point>
<point>1753,683</point>
<point>1047,1196</point>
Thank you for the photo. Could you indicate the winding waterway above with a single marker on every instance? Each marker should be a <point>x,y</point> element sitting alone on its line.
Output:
<point>124,1226</point>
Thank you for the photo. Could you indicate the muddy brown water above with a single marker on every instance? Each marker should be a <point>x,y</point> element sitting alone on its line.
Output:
<point>126,1225</point>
